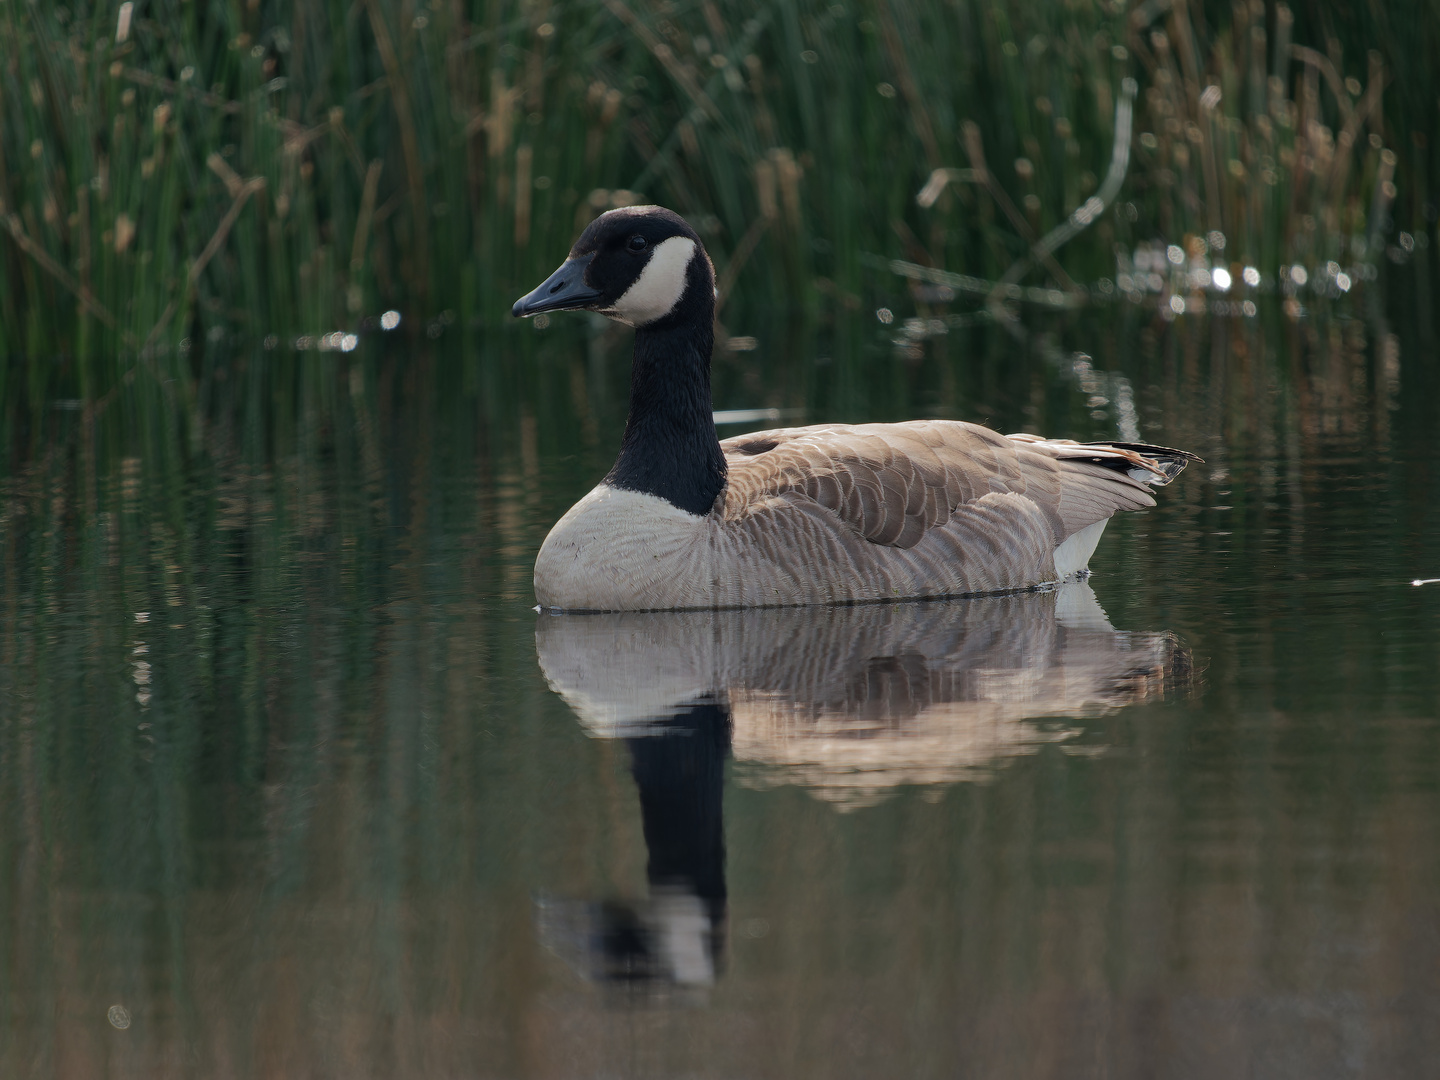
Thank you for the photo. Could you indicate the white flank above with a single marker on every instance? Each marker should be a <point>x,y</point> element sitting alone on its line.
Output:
<point>660,285</point>
<point>617,549</point>
<point>1073,556</point>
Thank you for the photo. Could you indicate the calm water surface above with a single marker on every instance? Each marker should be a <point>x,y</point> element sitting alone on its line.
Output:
<point>295,782</point>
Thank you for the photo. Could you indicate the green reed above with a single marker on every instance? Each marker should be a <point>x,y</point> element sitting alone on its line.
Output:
<point>293,168</point>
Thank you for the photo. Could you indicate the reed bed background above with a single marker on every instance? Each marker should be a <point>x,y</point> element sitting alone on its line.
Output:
<point>263,612</point>
<point>172,172</point>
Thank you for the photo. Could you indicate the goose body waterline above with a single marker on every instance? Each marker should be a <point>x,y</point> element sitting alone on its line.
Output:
<point>813,515</point>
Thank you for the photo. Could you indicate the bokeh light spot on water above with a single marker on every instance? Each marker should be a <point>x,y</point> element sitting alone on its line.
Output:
<point>390,320</point>
<point>119,1017</point>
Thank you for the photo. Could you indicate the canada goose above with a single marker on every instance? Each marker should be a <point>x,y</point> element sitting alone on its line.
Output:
<point>813,515</point>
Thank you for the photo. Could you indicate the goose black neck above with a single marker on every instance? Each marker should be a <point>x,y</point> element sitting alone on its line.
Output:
<point>670,447</point>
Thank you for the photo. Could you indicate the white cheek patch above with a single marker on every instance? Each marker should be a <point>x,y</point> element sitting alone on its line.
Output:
<point>660,285</point>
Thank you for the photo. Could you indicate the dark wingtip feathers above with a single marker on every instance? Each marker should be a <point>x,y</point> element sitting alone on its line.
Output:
<point>1165,461</point>
<point>1142,462</point>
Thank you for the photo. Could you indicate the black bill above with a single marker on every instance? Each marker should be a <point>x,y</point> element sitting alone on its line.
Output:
<point>562,290</point>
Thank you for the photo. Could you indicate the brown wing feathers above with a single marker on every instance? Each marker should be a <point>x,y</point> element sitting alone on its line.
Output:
<point>892,483</point>
<point>889,487</point>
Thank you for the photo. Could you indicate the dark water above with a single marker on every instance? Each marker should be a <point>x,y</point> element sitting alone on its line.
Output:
<point>291,774</point>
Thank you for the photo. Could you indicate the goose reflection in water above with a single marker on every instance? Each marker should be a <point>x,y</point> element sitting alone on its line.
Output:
<point>678,934</point>
<point>850,703</point>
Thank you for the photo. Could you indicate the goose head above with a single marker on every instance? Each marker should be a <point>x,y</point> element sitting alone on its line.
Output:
<point>640,265</point>
<point>645,267</point>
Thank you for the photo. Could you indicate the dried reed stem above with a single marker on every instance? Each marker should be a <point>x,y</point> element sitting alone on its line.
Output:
<point>662,52</point>
<point>970,131</point>
<point>254,184</point>
<point>16,228</point>
<point>362,220</point>
<point>1094,206</point>
<point>415,176</point>
<point>738,258</point>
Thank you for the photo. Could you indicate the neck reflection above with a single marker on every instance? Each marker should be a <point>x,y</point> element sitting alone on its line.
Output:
<point>677,934</point>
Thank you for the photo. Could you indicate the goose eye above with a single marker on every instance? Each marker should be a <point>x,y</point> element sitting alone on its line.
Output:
<point>636,243</point>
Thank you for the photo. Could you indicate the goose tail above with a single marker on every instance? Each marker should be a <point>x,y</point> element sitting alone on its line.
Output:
<point>1144,463</point>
